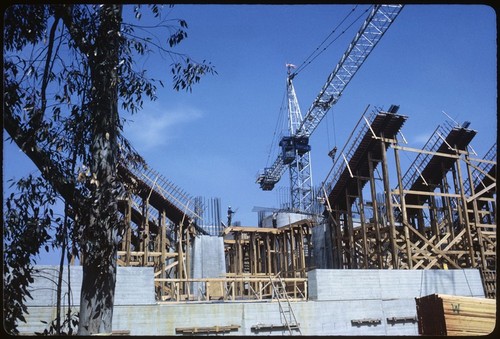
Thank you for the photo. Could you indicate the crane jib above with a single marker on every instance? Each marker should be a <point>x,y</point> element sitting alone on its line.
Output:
<point>370,33</point>
<point>372,30</point>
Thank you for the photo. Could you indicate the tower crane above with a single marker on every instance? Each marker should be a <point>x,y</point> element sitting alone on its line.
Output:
<point>295,148</point>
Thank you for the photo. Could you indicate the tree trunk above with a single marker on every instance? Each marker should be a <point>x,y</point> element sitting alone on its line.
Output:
<point>101,236</point>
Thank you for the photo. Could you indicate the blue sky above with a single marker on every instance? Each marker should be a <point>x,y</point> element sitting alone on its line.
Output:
<point>212,142</point>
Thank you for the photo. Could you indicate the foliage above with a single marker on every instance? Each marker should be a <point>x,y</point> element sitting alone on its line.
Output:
<point>67,327</point>
<point>52,63</point>
<point>28,219</point>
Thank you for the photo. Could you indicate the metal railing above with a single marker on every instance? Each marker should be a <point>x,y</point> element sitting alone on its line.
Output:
<point>482,167</point>
<point>432,145</point>
<point>352,143</point>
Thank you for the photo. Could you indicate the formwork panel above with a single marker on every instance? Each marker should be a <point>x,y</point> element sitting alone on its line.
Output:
<point>208,261</point>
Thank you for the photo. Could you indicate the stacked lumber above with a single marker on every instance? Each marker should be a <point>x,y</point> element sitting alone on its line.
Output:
<point>441,314</point>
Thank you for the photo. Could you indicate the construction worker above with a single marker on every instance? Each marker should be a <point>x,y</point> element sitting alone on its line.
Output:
<point>275,220</point>
<point>230,213</point>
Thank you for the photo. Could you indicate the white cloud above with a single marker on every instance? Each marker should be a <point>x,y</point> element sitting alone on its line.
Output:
<point>420,139</point>
<point>155,126</point>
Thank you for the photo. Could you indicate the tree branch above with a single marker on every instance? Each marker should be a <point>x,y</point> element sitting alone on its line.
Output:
<point>38,116</point>
<point>77,34</point>
<point>63,185</point>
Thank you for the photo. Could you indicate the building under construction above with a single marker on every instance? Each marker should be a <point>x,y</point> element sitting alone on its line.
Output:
<point>405,232</point>
<point>377,234</point>
<point>437,214</point>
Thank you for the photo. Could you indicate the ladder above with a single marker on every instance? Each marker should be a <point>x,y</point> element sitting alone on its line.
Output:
<point>286,312</point>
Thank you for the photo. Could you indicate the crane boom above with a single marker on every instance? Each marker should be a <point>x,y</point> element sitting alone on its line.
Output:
<point>370,33</point>
<point>374,27</point>
<point>272,174</point>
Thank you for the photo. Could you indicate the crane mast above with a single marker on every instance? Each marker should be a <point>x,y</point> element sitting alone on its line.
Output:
<point>295,153</point>
<point>295,149</point>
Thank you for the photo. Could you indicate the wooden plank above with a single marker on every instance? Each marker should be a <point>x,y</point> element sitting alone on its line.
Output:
<point>464,334</point>
<point>120,332</point>
<point>427,193</point>
<point>151,254</point>
<point>473,300</point>
<point>470,324</point>
<point>248,229</point>
<point>211,329</point>
<point>441,314</point>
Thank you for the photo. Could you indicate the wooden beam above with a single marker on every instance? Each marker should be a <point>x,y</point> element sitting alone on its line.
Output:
<point>210,329</point>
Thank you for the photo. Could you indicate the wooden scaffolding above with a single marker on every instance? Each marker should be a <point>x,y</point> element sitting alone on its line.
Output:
<point>438,214</point>
<point>269,252</point>
<point>442,213</point>
<point>159,229</point>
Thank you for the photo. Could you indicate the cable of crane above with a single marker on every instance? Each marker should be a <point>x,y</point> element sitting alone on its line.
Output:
<point>328,131</point>
<point>279,122</point>
<point>307,62</point>
<point>325,39</point>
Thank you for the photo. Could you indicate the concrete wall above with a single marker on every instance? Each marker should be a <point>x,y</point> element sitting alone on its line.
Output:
<point>283,219</point>
<point>314,317</point>
<point>392,284</point>
<point>337,297</point>
<point>322,247</point>
<point>384,294</point>
<point>208,260</point>
<point>134,285</point>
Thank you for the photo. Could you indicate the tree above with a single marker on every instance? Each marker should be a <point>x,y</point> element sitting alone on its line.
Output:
<point>67,71</point>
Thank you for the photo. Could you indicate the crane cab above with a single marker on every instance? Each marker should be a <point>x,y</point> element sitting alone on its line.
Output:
<point>292,145</point>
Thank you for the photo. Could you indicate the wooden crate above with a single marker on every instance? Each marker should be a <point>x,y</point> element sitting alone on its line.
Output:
<point>441,314</point>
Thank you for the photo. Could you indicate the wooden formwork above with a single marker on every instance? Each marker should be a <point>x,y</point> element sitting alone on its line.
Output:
<point>443,215</point>
<point>162,245</point>
<point>158,229</point>
<point>453,233</point>
<point>243,287</point>
<point>268,252</point>
<point>158,234</point>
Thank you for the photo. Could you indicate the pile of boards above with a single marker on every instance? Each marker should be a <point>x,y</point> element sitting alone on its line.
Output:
<point>441,314</point>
